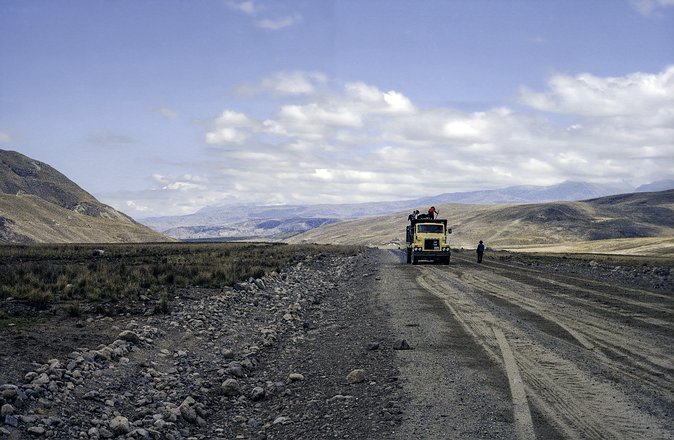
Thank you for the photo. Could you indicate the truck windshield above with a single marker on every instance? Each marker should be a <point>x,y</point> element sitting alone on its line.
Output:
<point>436,229</point>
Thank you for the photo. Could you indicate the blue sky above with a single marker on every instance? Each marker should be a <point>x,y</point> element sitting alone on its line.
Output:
<point>163,107</point>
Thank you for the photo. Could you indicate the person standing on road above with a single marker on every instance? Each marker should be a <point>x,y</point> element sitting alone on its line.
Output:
<point>480,252</point>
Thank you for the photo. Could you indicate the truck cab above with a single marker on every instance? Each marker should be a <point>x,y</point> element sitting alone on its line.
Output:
<point>428,240</point>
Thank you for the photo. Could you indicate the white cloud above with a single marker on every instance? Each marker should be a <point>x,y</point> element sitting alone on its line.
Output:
<point>263,17</point>
<point>184,186</point>
<point>231,127</point>
<point>651,7</point>
<point>5,138</point>
<point>226,135</point>
<point>318,115</point>
<point>474,128</point>
<point>286,84</point>
<point>181,183</point>
<point>233,118</point>
<point>160,201</point>
<point>589,95</point>
<point>279,23</point>
<point>248,7</point>
<point>371,99</point>
<point>167,112</point>
<point>355,142</point>
<point>136,207</point>
<point>184,183</point>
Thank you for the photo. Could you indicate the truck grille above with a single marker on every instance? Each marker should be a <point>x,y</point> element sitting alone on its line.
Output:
<point>431,244</point>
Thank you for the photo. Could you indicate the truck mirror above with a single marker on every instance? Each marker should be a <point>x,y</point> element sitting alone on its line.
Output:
<point>449,231</point>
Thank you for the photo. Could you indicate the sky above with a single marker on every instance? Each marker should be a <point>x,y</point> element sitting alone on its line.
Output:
<point>162,107</point>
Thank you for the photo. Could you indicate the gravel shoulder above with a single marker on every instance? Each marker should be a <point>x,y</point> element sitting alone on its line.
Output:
<point>305,353</point>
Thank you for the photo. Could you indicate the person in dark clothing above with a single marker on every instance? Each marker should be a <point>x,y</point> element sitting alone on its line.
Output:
<point>480,252</point>
<point>432,212</point>
<point>413,216</point>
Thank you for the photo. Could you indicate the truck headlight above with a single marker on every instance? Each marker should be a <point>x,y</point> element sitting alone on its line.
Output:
<point>417,249</point>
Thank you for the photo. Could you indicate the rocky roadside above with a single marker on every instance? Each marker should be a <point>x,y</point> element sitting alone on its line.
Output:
<point>304,353</point>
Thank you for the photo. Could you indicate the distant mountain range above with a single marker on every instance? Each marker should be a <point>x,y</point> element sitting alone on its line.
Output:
<point>282,222</point>
<point>637,223</point>
<point>39,204</point>
<point>660,185</point>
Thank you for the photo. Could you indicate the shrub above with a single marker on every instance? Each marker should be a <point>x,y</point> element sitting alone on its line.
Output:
<point>40,299</point>
<point>164,307</point>
<point>74,310</point>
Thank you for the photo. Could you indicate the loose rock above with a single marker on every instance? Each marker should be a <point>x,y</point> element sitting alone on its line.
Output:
<point>231,387</point>
<point>295,377</point>
<point>401,344</point>
<point>257,394</point>
<point>120,425</point>
<point>356,376</point>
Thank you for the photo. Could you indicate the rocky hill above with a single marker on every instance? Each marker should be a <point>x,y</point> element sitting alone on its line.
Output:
<point>39,204</point>
<point>628,223</point>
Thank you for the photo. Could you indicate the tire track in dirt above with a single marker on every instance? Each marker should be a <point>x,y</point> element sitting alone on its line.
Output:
<point>572,399</point>
<point>597,294</point>
<point>625,351</point>
<point>597,314</point>
<point>523,423</point>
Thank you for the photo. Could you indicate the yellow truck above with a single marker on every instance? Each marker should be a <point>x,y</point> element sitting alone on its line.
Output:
<point>428,240</point>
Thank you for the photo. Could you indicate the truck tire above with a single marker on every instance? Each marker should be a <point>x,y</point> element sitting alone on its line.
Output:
<point>445,261</point>
<point>415,260</point>
<point>409,256</point>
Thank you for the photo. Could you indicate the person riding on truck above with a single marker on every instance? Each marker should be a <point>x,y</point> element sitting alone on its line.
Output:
<point>432,212</point>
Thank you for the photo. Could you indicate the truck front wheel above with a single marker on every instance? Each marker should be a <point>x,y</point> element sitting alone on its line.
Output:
<point>415,260</point>
<point>409,256</point>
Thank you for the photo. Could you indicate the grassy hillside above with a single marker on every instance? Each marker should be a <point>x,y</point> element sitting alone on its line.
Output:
<point>39,204</point>
<point>618,224</point>
<point>31,219</point>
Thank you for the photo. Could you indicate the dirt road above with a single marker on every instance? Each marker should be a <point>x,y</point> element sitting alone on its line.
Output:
<point>505,351</point>
<point>362,347</point>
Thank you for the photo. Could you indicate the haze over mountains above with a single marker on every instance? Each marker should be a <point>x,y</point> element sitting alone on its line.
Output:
<point>281,222</point>
<point>39,204</point>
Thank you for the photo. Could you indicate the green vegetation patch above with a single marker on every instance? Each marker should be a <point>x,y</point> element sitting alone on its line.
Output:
<point>42,274</point>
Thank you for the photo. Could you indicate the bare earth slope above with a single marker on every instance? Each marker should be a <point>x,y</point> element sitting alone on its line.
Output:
<point>39,204</point>
<point>642,221</point>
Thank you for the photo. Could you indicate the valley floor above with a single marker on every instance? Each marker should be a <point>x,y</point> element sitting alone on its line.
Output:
<point>364,347</point>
